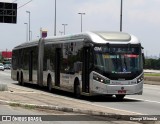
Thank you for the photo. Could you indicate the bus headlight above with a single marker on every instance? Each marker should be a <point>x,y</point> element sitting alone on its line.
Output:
<point>140,78</point>
<point>100,79</point>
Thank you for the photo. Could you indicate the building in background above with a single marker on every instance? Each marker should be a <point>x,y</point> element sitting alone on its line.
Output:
<point>6,56</point>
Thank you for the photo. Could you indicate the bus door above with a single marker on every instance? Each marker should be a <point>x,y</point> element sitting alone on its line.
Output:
<point>57,66</point>
<point>85,70</point>
<point>30,65</point>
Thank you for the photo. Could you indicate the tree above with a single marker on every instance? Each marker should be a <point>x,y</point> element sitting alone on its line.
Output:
<point>152,64</point>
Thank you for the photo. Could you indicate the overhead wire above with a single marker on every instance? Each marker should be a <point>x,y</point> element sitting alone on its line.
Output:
<point>25,4</point>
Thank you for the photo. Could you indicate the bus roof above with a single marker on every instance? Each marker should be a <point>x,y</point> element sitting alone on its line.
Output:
<point>100,37</point>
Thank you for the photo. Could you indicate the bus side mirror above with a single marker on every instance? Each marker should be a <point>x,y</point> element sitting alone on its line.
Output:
<point>143,57</point>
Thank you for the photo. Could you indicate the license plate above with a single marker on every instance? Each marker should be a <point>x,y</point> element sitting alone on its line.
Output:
<point>121,91</point>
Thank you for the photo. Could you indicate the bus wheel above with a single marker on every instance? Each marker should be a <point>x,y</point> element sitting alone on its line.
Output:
<point>21,82</point>
<point>18,79</point>
<point>120,97</point>
<point>49,84</point>
<point>77,92</point>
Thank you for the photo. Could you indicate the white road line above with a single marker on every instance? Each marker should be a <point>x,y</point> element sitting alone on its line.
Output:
<point>152,88</point>
<point>114,109</point>
<point>143,100</point>
<point>89,103</point>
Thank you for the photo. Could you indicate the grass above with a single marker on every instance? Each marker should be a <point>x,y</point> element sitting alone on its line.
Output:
<point>151,74</point>
<point>24,106</point>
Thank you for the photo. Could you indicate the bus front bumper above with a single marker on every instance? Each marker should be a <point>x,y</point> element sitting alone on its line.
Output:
<point>117,89</point>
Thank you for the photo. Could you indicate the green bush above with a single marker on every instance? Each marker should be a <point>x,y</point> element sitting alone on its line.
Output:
<point>152,64</point>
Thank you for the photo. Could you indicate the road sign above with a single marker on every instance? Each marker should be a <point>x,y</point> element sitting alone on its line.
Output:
<point>44,34</point>
<point>8,12</point>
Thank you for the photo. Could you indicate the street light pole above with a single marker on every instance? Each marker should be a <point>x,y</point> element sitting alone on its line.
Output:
<point>29,24</point>
<point>121,16</point>
<point>26,31</point>
<point>55,19</point>
<point>81,19</point>
<point>61,32</point>
<point>31,35</point>
<point>64,27</point>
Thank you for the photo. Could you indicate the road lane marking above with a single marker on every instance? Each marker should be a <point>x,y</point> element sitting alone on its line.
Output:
<point>115,109</point>
<point>148,86</point>
<point>143,100</point>
<point>93,104</point>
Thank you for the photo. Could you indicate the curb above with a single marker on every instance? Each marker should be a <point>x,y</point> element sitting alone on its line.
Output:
<point>58,108</point>
<point>3,87</point>
<point>116,117</point>
<point>104,115</point>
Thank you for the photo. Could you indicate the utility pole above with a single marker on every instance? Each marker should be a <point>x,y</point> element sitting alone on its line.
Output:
<point>26,31</point>
<point>61,32</point>
<point>81,19</point>
<point>64,28</point>
<point>121,16</point>
<point>29,24</point>
<point>55,19</point>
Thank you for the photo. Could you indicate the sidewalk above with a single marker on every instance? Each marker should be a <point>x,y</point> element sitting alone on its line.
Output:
<point>22,96</point>
<point>153,80</point>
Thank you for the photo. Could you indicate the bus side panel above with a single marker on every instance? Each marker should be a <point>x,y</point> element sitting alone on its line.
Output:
<point>57,66</point>
<point>49,63</point>
<point>85,70</point>
<point>40,62</point>
<point>14,74</point>
<point>14,68</point>
<point>30,65</point>
<point>71,64</point>
<point>35,64</point>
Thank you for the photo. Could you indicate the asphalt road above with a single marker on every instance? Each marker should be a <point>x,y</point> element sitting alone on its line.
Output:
<point>148,103</point>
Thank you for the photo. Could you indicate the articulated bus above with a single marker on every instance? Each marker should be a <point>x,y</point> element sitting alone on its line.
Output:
<point>91,63</point>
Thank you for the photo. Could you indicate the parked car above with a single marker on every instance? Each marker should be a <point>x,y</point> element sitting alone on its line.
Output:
<point>1,67</point>
<point>7,66</point>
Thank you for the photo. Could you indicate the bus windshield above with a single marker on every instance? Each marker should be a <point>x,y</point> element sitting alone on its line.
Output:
<point>118,60</point>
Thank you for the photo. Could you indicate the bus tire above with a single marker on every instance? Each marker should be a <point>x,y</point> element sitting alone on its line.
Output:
<point>120,97</point>
<point>18,79</point>
<point>49,84</point>
<point>77,91</point>
<point>21,80</point>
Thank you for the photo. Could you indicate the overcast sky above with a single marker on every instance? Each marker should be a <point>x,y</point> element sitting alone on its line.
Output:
<point>140,17</point>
